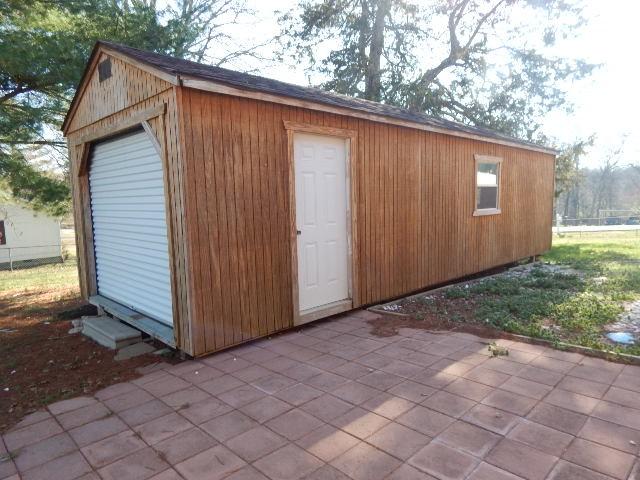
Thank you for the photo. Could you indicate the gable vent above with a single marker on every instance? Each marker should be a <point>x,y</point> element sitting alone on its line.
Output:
<point>104,70</point>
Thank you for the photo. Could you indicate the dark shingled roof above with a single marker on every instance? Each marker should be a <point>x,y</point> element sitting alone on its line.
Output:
<point>177,66</point>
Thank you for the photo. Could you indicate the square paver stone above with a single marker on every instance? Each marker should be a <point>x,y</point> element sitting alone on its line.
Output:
<point>113,448</point>
<point>64,406</point>
<point>326,407</point>
<point>412,391</point>
<point>298,394</point>
<point>558,418</point>
<point>83,415</point>
<point>469,438</point>
<point>16,439</point>
<point>486,471</point>
<point>407,472</point>
<point>521,460</point>
<point>527,388</point>
<point>165,385</point>
<point>398,440</point>
<point>443,462</point>
<point>94,431</point>
<point>364,462</point>
<point>266,408</point>
<point>570,471</point>
<point>288,463</point>
<point>141,465</point>
<point>294,424</point>
<point>212,464</point>
<point>228,425</point>
<point>388,406</point>
<point>184,445</point>
<point>185,398</point>
<point>600,458</point>
<point>128,399</point>
<point>360,423</point>
<point>68,466</point>
<point>255,443</point>
<point>509,402</point>
<point>426,421</point>
<point>204,410</point>
<point>163,428</point>
<point>449,404</point>
<point>327,442</point>
<point>545,439</point>
<point>572,401</point>
<point>221,384</point>
<point>145,413</point>
<point>43,451</point>
<point>469,389</point>
<point>611,435</point>
<point>241,396</point>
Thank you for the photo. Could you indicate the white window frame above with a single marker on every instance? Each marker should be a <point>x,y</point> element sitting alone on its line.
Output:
<point>477,212</point>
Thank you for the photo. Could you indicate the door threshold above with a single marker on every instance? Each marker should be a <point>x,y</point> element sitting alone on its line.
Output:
<point>151,327</point>
<point>322,311</point>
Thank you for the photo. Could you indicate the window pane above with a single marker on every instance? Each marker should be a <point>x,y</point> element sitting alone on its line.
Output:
<point>487,197</point>
<point>487,174</point>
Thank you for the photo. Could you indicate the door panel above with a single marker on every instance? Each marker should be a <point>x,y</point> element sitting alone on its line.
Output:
<point>129,225</point>
<point>321,218</point>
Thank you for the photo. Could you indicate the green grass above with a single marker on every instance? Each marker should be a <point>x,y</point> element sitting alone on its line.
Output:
<point>54,276</point>
<point>571,307</point>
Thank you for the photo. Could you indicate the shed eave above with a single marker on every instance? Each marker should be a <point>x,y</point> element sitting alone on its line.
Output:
<point>225,89</point>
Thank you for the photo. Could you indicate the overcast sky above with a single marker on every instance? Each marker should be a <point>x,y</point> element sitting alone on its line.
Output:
<point>606,104</point>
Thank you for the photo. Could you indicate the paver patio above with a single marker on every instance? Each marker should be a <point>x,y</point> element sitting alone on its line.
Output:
<point>333,401</point>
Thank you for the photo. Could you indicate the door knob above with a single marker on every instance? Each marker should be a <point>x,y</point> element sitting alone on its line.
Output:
<point>298,232</point>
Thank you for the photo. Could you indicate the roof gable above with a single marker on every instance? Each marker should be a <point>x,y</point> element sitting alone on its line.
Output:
<point>128,83</point>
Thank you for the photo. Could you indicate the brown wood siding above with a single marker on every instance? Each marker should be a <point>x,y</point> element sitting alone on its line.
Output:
<point>415,224</point>
<point>127,86</point>
<point>102,108</point>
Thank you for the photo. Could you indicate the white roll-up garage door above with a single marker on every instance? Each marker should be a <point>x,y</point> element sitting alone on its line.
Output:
<point>129,225</point>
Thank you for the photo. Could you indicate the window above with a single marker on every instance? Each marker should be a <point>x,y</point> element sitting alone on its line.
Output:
<point>3,237</point>
<point>487,185</point>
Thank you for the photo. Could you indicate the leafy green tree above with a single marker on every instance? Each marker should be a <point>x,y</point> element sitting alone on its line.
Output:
<point>569,176</point>
<point>481,62</point>
<point>44,45</point>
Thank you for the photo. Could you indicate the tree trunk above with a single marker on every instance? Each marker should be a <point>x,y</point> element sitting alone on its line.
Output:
<point>372,90</point>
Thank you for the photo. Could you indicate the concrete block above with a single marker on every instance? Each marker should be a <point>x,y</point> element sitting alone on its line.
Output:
<point>134,350</point>
<point>109,332</point>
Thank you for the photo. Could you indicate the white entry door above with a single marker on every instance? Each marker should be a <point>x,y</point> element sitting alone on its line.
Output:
<point>321,216</point>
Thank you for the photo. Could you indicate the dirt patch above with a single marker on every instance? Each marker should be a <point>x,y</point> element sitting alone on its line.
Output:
<point>40,362</point>
<point>440,319</point>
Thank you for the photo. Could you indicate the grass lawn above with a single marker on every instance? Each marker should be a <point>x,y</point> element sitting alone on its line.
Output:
<point>596,275</point>
<point>53,276</point>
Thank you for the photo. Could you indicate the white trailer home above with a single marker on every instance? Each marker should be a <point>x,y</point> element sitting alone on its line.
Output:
<point>27,237</point>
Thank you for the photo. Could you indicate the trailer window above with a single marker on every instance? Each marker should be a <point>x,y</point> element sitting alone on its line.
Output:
<point>487,185</point>
<point>3,237</point>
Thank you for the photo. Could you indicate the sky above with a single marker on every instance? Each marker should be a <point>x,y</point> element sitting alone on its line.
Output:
<point>605,104</point>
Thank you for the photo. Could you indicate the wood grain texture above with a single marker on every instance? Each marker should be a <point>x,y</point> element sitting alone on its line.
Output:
<point>227,178</point>
<point>413,197</point>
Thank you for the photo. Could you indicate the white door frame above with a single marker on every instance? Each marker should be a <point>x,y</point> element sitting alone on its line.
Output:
<point>349,137</point>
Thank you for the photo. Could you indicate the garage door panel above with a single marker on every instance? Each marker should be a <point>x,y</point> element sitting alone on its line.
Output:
<point>126,183</point>
<point>131,239</point>
<point>125,172</point>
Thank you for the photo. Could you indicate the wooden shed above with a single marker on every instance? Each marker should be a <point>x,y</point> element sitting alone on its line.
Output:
<point>213,207</point>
